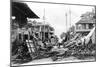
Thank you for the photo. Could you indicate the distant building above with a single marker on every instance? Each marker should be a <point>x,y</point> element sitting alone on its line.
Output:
<point>86,23</point>
<point>41,30</point>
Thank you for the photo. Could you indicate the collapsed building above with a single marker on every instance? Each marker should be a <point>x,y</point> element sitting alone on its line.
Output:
<point>20,13</point>
<point>86,24</point>
<point>25,34</point>
<point>83,43</point>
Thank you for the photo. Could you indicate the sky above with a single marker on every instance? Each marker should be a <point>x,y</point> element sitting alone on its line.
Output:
<point>59,16</point>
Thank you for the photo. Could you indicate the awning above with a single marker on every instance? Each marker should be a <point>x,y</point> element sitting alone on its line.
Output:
<point>21,9</point>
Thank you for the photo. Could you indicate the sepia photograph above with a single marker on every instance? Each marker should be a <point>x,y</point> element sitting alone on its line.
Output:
<point>51,33</point>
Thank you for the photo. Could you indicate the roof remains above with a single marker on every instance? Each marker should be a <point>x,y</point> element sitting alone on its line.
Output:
<point>22,9</point>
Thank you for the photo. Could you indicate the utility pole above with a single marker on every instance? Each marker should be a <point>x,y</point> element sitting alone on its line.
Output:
<point>70,17</point>
<point>44,24</point>
<point>66,21</point>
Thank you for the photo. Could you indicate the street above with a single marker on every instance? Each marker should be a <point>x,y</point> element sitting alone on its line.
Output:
<point>49,60</point>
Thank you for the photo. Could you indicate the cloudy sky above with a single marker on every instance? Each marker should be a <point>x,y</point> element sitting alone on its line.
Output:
<point>55,14</point>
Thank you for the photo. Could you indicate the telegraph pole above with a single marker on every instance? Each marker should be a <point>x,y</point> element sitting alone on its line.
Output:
<point>70,17</point>
<point>44,24</point>
<point>66,21</point>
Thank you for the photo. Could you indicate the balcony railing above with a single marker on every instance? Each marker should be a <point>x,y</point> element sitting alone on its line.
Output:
<point>83,30</point>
